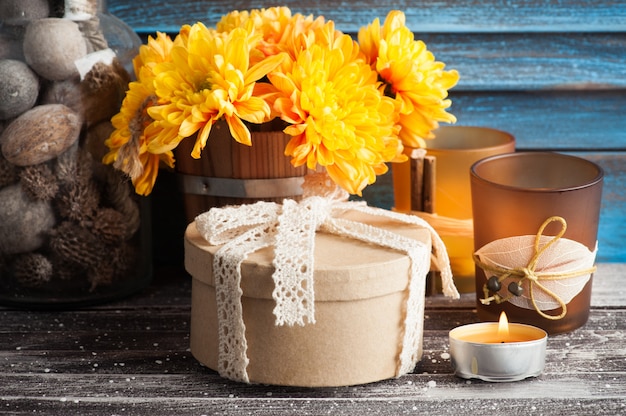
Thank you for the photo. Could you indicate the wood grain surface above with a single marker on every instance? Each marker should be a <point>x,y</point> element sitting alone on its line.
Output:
<point>132,358</point>
<point>426,16</point>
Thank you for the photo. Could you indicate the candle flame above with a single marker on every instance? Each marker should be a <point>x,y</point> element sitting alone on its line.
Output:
<point>503,326</point>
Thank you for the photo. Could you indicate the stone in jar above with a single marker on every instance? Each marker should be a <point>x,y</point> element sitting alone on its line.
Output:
<point>52,46</point>
<point>17,12</point>
<point>19,88</point>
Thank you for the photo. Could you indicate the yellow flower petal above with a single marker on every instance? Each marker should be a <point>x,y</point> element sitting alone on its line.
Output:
<point>239,131</point>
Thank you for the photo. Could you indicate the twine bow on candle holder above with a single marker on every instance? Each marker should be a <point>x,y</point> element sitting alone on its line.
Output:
<point>529,273</point>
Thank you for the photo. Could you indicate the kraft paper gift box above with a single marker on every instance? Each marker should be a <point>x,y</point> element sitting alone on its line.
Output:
<point>361,292</point>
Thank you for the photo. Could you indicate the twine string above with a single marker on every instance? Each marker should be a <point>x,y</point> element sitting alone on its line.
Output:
<point>528,273</point>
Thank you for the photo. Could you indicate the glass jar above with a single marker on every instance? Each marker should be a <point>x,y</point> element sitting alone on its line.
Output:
<point>72,230</point>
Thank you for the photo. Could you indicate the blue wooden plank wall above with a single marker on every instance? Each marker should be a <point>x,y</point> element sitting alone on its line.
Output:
<point>553,73</point>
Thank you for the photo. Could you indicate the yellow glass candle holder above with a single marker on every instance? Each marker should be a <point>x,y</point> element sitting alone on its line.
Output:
<point>456,149</point>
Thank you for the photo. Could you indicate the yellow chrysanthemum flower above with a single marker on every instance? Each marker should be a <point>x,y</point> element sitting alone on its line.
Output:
<point>271,23</point>
<point>339,119</point>
<point>128,143</point>
<point>208,78</point>
<point>157,50</point>
<point>134,129</point>
<point>412,76</point>
<point>281,31</point>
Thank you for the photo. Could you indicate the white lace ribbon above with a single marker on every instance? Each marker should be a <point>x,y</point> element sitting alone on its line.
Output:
<point>291,229</point>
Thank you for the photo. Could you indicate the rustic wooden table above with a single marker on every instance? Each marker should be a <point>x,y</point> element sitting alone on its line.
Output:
<point>132,358</point>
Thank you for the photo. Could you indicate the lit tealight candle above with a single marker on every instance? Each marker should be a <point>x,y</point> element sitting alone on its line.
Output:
<point>498,351</point>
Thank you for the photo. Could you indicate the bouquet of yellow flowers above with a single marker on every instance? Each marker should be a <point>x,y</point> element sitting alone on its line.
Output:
<point>349,106</point>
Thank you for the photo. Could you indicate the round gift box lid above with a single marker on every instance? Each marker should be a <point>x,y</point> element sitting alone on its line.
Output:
<point>344,268</point>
